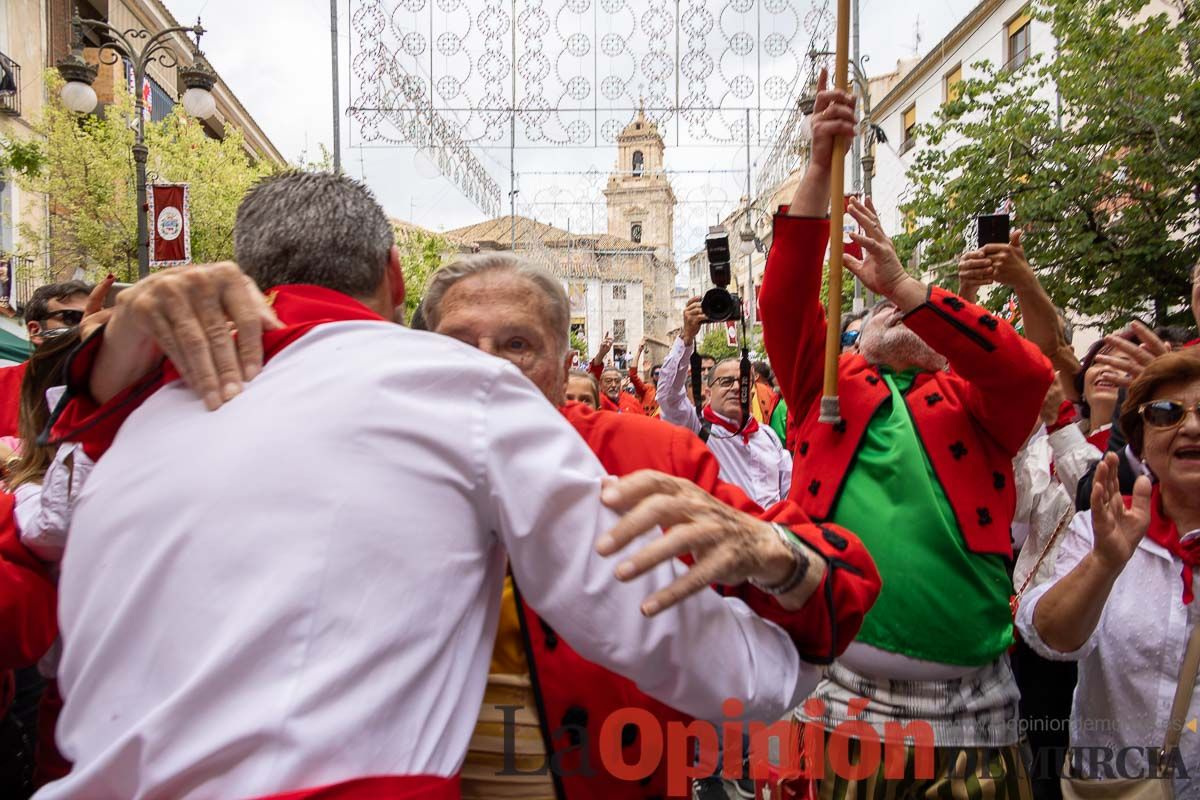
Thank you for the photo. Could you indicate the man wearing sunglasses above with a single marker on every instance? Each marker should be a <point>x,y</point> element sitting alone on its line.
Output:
<point>55,306</point>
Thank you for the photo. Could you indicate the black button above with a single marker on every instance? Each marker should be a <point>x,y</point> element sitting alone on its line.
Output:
<point>989,322</point>
<point>840,426</point>
<point>814,487</point>
<point>575,720</point>
<point>985,516</point>
<point>933,398</point>
<point>804,448</point>
<point>954,303</point>
<point>549,634</point>
<point>629,735</point>
<point>834,538</point>
<point>997,480</point>
<point>872,379</point>
<point>958,450</point>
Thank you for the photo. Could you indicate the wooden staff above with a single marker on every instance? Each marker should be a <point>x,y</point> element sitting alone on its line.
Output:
<point>830,409</point>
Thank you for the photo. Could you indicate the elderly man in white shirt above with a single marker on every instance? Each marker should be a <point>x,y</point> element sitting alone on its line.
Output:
<point>752,458</point>
<point>300,589</point>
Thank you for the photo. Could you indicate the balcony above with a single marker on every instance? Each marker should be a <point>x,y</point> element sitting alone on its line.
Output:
<point>10,86</point>
<point>18,279</point>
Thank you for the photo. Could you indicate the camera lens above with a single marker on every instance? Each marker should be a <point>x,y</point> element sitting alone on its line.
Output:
<point>718,305</point>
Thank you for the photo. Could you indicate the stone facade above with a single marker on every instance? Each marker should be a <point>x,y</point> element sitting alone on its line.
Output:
<point>615,284</point>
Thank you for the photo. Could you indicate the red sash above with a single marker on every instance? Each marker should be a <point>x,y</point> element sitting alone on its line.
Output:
<point>396,787</point>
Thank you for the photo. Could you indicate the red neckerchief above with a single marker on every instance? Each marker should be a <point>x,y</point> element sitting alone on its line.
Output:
<point>300,307</point>
<point>1163,532</point>
<point>747,432</point>
<point>1099,439</point>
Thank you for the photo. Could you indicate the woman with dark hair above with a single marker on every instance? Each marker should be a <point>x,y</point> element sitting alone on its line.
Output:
<point>1115,603</point>
<point>33,593</point>
<point>44,479</point>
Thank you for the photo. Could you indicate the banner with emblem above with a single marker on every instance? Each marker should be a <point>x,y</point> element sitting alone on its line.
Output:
<point>170,229</point>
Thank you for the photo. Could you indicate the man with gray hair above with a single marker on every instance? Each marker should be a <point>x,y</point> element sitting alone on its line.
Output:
<point>751,455</point>
<point>302,593</point>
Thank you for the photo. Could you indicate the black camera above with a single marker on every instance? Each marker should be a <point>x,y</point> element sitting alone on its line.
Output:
<point>718,304</point>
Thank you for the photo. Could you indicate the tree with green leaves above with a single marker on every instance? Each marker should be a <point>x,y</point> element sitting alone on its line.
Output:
<point>85,165</point>
<point>716,343</point>
<point>420,256</point>
<point>1104,177</point>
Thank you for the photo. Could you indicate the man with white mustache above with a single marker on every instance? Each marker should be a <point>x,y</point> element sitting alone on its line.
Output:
<point>940,397</point>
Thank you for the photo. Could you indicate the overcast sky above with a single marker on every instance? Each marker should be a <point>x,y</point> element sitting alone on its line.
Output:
<point>275,55</point>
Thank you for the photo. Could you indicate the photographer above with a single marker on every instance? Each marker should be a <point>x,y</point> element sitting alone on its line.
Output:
<point>751,455</point>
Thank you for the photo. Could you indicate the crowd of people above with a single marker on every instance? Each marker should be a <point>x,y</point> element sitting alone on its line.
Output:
<point>333,556</point>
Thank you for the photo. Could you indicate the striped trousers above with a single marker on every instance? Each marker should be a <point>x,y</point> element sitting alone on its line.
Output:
<point>903,773</point>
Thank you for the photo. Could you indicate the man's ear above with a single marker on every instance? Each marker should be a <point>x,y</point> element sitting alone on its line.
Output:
<point>568,359</point>
<point>395,276</point>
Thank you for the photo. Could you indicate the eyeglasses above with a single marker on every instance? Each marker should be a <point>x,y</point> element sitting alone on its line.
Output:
<point>1165,413</point>
<point>849,338</point>
<point>68,316</point>
<point>726,382</point>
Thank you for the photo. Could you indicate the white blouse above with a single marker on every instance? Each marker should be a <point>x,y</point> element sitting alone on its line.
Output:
<point>1129,666</point>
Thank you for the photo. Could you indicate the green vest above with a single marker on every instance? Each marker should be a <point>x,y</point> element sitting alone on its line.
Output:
<point>939,601</point>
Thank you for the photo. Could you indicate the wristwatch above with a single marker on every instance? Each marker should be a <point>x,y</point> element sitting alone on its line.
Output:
<point>799,553</point>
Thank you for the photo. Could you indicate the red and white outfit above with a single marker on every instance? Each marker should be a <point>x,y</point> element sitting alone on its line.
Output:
<point>301,589</point>
<point>754,459</point>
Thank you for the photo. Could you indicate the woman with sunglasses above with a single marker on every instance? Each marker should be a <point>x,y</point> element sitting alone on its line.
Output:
<point>1121,596</point>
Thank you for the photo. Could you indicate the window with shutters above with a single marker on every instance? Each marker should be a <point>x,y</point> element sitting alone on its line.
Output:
<point>908,124</point>
<point>618,291</point>
<point>618,331</point>
<point>635,232</point>
<point>954,84</point>
<point>1018,40</point>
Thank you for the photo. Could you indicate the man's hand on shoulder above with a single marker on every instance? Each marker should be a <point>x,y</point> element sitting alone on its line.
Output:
<point>727,546</point>
<point>188,314</point>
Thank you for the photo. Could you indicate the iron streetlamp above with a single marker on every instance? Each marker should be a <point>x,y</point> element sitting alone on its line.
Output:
<point>864,165</point>
<point>79,96</point>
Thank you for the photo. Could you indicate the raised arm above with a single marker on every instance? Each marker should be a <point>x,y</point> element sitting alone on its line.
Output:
<point>1060,618</point>
<point>596,365</point>
<point>673,374</point>
<point>789,304</point>
<point>639,385</point>
<point>1006,376</point>
<point>545,500</point>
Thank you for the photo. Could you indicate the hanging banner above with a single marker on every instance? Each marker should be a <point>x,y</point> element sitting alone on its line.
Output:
<point>169,223</point>
<point>731,333</point>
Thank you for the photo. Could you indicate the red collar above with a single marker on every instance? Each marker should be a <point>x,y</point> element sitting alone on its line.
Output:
<point>1164,532</point>
<point>717,419</point>
<point>301,307</point>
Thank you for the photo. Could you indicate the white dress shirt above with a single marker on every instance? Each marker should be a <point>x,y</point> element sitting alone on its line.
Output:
<point>1129,666</point>
<point>761,467</point>
<point>302,587</point>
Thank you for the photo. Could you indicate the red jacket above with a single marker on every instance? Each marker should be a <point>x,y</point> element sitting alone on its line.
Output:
<point>10,398</point>
<point>647,392</point>
<point>575,696</point>
<point>972,419</point>
<point>28,598</point>
<point>627,403</point>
